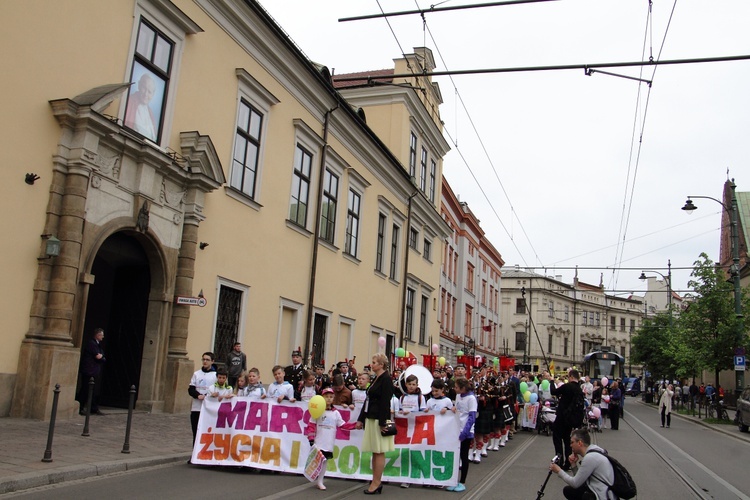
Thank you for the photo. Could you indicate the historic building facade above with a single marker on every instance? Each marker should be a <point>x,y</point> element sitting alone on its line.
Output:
<point>470,286</point>
<point>546,318</point>
<point>188,178</point>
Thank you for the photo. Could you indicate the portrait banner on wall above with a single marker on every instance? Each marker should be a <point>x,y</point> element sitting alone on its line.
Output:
<point>143,113</point>
<point>264,434</point>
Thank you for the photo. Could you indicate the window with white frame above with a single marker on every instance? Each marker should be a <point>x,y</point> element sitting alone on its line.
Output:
<point>413,155</point>
<point>433,180</point>
<point>394,251</point>
<point>150,74</point>
<point>380,248</point>
<point>352,223</point>
<point>567,313</point>
<point>423,320</point>
<point>328,206</point>
<point>414,238</point>
<point>246,149</point>
<point>409,313</point>
<point>423,171</point>
<point>300,186</point>
<point>254,104</point>
<point>427,249</point>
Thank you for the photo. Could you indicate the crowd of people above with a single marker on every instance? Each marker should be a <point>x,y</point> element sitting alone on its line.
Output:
<point>487,401</point>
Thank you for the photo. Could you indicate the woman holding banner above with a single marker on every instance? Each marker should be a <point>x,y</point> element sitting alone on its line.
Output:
<point>373,417</point>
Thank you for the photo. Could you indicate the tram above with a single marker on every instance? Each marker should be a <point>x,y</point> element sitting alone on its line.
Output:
<point>598,364</point>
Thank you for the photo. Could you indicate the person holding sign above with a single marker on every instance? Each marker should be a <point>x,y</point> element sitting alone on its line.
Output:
<point>373,418</point>
<point>321,432</point>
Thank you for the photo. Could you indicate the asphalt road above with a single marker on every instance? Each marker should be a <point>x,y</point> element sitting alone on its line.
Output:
<point>684,462</point>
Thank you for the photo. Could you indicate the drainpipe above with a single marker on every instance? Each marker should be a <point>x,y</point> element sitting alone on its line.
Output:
<point>316,239</point>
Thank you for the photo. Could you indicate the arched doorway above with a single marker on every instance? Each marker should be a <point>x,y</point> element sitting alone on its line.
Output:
<point>118,302</point>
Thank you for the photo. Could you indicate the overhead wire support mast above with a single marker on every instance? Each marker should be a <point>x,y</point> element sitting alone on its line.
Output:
<point>584,67</point>
<point>439,9</point>
<point>590,72</point>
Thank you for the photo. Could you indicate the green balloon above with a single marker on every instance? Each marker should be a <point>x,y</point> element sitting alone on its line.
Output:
<point>545,385</point>
<point>460,353</point>
<point>400,352</point>
<point>524,387</point>
<point>536,381</point>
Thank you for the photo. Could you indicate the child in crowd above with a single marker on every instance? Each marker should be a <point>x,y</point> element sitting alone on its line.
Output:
<point>438,403</point>
<point>413,399</point>
<point>280,389</point>
<point>221,389</point>
<point>360,393</point>
<point>321,431</point>
<point>241,389</point>
<point>466,407</point>
<point>308,389</point>
<point>254,387</point>
<point>604,407</point>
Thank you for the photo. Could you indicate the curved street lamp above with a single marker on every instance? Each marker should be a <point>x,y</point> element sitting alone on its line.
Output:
<point>734,269</point>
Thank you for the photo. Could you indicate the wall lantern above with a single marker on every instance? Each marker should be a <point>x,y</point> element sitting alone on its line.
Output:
<point>52,248</point>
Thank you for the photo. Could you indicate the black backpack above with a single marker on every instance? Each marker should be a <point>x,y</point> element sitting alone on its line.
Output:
<point>623,486</point>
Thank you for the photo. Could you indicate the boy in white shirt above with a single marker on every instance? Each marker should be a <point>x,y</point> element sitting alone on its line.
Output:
<point>280,389</point>
<point>221,389</point>
<point>438,403</point>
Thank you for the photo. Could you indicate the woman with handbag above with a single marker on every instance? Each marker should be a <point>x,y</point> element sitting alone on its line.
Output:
<point>375,419</point>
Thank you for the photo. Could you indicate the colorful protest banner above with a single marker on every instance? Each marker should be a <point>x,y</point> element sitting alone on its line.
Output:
<point>529,414</point>
<point>264,434</point>
<point>314,464</point>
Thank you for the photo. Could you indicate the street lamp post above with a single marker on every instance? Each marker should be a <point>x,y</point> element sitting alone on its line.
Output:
<point>735,269</point>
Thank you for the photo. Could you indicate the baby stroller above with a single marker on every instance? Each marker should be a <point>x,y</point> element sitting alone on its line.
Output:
<point>592,419</point>
<point>546,417</point>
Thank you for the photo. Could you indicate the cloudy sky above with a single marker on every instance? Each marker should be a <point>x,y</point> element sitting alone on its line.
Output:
<point>564,169</point>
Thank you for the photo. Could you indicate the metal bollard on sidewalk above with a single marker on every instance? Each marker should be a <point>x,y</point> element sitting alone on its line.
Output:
<point>131,404</point>
<point>88,408</point>
<point>51,432</point>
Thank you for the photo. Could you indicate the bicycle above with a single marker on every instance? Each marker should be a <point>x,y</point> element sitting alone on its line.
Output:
<point>718,410</point>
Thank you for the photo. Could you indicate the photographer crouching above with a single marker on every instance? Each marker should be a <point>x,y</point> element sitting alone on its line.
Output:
<point>594,473</point>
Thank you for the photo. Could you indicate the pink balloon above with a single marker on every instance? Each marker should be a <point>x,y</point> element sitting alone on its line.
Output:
<point>605,381</point>
<point>381,341</point>
<point>435,349</point>
<point>596,412</point>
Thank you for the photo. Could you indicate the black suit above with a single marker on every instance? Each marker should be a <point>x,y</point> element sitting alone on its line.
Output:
<point>293,375</point>
<point>378,403</point>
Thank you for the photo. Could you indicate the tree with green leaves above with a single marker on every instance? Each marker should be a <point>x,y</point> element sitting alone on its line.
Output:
<point>709,327</point>
<point>652,346</point>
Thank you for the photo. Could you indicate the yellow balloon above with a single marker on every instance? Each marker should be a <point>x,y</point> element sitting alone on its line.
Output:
<point>441,361</point>
<point>316,406</point>
<point>526,396</point>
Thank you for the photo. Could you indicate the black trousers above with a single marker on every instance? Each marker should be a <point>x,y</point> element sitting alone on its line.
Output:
<point>614,416</point>
<point>561,439</point>
<point>194,417</point>
<point>464,454</point>
<point>581,493</point>
<point>668,416</point>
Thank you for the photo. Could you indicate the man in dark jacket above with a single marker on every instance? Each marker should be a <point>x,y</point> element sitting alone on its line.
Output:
<point>236,364</point>
<point>569,415</point>
<point>92,361</point>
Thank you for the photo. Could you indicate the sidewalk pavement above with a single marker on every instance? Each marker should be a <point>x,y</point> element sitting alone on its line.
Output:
<point>155,439</point>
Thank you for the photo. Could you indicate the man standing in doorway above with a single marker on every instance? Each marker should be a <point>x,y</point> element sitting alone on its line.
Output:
<point>92,361</point>
<point>236,364</point>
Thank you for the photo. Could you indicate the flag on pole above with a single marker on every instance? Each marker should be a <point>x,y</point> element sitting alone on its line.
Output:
<point>552,368</point>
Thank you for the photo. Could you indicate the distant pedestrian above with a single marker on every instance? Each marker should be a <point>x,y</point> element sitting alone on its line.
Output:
<point>92,362</point>
<point>665,405</point>
<point>615,401</point>
<point>200,384</point>
<point>236,364</point>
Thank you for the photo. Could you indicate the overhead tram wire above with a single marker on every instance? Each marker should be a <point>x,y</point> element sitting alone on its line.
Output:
<point>645,113</point>
<point>486,153</point>
<point>561,67</point>
<point>438,9</point>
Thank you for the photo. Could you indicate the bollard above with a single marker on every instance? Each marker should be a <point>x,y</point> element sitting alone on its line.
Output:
<point>131,404</point>
<point>88,408</point>
<point>51,432</point>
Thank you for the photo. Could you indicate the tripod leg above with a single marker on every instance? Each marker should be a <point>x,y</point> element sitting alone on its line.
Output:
<point>540,493</point>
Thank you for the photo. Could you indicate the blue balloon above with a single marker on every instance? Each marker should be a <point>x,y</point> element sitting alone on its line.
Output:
<point>534,397</point>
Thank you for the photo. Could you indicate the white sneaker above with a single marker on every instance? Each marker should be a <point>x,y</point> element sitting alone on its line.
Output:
<point>503,440</point>
<point>484,451</point>
<point>477,457</point>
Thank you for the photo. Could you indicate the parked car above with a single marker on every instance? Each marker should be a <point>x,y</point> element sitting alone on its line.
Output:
<point>633,387</point>
<point>743,410</point>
